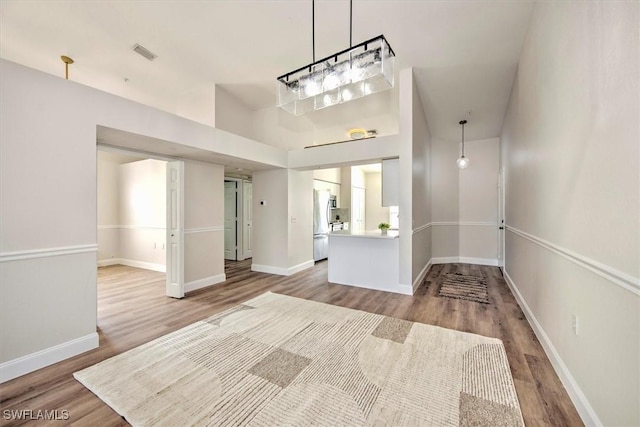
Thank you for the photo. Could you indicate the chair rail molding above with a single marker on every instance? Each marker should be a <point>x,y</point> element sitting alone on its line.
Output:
<point>620,278</point>
<point>46,252</point>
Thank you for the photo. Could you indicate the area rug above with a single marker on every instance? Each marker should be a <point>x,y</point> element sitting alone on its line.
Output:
<point>277,360</point>
<point>462,286</point>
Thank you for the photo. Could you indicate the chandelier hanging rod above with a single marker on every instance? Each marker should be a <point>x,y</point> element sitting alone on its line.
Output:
<point>342,52</point>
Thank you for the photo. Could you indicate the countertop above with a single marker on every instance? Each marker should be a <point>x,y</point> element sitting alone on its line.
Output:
<point>370,234</point>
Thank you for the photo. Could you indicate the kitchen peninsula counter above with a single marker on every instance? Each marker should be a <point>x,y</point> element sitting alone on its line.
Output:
<point>371,234</point>
<point>365,259</point>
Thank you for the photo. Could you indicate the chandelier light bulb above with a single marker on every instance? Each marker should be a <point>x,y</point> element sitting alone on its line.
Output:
<point>463,162</point>
<point>312,88</point>
<point>331,82</point>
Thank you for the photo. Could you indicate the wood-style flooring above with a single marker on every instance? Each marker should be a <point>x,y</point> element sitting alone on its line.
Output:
<point>132,310</point>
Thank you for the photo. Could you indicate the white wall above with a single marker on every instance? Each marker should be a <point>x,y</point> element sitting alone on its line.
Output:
<point>203,224</point>
<point>420,192</point>
<point>375,213</point>
<point>478,202</point>
<point>415,185</point>
<point>465,202</point>
<point>328,175</point>
<point>270,220</point>
<point>300,218</point>
<point>198,105</point>
<point>142,201</point>
<point>48,164</point>
<point>283,227</point>
<point>108,206</point>
<point>232,115</point>
<point>445,180</point>
<point>349,153</point>
<point>571,157</point>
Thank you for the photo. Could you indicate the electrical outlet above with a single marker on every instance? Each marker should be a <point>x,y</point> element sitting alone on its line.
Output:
<point>575,324</point>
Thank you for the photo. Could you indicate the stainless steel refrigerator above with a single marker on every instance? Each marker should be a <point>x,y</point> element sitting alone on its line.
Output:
<point>321,210</point>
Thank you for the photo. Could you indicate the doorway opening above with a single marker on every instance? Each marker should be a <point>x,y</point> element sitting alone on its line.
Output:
<point>139,215</point>
<point>238,219</point>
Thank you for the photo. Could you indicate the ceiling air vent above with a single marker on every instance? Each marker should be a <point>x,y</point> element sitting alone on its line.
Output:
<point>144,52</point>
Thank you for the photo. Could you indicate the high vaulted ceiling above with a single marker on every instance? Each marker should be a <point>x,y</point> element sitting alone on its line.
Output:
<point>464,53</point>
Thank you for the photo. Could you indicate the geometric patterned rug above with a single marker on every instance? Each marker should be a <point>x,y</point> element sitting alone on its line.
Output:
<point>461,286</point>
<point>279,360</point>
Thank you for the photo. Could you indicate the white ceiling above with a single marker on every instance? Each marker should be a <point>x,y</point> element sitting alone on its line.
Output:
<point>464,53</point>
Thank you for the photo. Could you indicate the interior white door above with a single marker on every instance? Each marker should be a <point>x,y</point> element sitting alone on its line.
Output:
<point>247,196</point>
<point>175,229</point>
<point>358,208</point>
<point>230,220</point>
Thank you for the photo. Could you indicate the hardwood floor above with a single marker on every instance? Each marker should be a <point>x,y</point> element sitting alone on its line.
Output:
<point>132,310</point>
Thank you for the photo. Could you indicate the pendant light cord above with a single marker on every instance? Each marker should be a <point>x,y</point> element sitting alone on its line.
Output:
<point>313,29</point>
<point>463,140</point>
<point>350,23</point>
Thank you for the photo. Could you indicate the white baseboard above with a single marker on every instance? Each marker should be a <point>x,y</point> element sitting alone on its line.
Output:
<point>203,283</point>
<point>584,408</point>
<point>300,267</point>
<point>34,361</point>
<point>141,264</point>
<point>280,270</point>
<point>269,269</point>
<point>108,262</point>
<point>445,260</point>
<point>465,260</point>
<point>401,289</point>
<point>421,276</point>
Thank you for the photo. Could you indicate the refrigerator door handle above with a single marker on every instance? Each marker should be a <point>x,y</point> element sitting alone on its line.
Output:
<point>328,213</point>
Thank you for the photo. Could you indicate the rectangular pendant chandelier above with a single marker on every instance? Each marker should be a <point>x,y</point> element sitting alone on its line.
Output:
<point>355,72</point>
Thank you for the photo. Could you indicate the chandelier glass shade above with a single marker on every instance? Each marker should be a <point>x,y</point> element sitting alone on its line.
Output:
<point>355,72</point>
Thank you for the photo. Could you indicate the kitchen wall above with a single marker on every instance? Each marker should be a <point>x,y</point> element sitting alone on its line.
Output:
<point>375,213</point>
<point>329,179</point>
<point>571,157</point>
<point>328,175</point>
